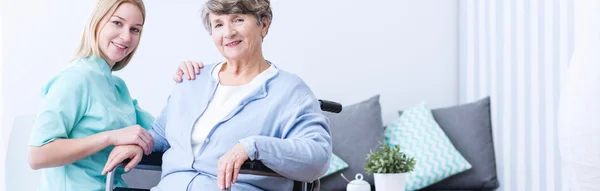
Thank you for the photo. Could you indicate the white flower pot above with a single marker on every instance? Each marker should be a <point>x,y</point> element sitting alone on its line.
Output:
<point>390,182</point>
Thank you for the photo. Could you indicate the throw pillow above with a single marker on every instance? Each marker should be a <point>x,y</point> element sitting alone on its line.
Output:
<point>335,164</point>
<point>421,137</point>
<point>469,128</point>
<point>356,131</point>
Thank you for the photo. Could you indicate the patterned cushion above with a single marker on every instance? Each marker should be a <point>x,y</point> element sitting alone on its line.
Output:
<point>419,136</point>
<point>335,164</point>
<point>469,128</point>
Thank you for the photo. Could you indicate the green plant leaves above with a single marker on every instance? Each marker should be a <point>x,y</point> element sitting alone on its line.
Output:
<point>389,160</point>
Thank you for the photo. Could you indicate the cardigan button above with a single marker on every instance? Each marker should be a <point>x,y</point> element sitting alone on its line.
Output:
<point>206,140</point>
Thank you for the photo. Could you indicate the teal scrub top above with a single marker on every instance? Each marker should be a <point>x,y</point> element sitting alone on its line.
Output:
<point>82,100</point>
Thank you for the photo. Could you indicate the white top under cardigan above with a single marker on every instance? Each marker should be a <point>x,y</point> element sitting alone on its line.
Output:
<point>226,99</point>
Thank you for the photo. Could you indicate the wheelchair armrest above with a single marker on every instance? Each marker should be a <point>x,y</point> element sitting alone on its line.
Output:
<point>154,159</point>
<point>257,168</point>
<point>149,162</point>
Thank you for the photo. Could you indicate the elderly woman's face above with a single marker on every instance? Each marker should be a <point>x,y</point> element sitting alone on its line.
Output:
<point>237,36</point>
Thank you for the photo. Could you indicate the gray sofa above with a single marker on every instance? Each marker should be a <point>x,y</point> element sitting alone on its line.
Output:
<point>358,129</point>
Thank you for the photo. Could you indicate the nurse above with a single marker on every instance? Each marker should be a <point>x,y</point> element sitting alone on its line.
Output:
<point>86,110</point>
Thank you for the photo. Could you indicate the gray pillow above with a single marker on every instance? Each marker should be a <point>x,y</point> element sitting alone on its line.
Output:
<point>355,131</point>
<point>469,128</point>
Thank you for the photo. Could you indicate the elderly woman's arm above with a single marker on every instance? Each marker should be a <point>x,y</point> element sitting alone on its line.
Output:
<point>158,131</point>
<point>304,152</point>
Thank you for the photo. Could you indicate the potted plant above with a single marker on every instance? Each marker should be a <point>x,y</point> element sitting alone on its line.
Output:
<point>389,166</point>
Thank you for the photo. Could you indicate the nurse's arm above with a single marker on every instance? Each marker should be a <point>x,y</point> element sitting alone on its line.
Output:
<point>66,151</point>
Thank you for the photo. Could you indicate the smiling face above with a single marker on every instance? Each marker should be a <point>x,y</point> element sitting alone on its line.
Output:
<point>238,36</point>
<point>120,33</point>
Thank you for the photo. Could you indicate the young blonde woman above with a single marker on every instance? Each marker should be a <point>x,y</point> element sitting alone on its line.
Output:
<point>86,110</point>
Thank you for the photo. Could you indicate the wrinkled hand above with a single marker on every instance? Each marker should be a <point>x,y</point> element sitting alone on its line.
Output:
<point>132,135</point>
<point>119,154</point>
<point>188,69</point>
<point>229,166</point>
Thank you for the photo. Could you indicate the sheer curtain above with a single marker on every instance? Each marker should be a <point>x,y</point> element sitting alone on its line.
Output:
<point>517,52</point>
<point>579,111</point>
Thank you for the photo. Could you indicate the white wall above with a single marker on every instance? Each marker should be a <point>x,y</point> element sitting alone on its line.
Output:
<point>347,51</point>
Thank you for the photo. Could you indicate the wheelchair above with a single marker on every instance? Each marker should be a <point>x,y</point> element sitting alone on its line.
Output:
<point>154,162</point>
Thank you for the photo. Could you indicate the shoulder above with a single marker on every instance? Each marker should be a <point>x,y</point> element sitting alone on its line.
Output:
<point>290,90</point>
<point>75,79</point>
<point>288,82</point>
<point>65,84</point>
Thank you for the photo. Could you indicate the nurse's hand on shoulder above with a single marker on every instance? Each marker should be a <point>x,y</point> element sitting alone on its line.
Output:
<point>229,166</point>
<point>187,69</point>
<point>119,154</point>
<point>132,135</point>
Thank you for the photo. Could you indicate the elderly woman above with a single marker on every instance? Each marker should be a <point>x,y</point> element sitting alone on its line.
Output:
<point>244,108</point>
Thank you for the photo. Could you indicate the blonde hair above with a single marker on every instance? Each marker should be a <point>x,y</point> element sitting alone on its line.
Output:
<point>89,39</point>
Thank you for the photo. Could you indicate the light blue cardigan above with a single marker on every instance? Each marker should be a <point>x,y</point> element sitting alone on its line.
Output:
<point>280,124</point>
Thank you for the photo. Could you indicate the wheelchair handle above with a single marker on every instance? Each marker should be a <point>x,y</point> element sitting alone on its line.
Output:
<point>330,106</point>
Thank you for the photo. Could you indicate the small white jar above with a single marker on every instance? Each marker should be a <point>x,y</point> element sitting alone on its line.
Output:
<point>358,184</point>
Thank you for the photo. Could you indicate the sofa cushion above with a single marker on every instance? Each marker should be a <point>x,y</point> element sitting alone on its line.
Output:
<point>355,131</point>
<point>335,164</point>
<point>469,128</point>
<point>419,136</point>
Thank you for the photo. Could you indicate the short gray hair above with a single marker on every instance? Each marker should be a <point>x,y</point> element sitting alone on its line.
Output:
<point>261,9</point>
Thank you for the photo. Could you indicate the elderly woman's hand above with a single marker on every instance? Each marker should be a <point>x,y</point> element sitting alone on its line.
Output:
<point>229,166</point>
<point>119,154</point>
